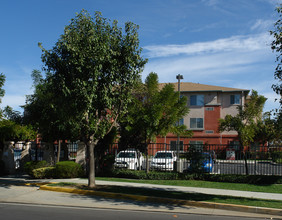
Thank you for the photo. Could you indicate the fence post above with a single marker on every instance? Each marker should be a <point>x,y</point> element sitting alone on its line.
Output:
<point>81,154</point>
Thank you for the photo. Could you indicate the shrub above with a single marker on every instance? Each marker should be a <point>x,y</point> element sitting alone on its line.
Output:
<point>45,172</point>
<point>68,169</point>
<point>31,165</point>
<point>276,156</point>
<point>231,178</point>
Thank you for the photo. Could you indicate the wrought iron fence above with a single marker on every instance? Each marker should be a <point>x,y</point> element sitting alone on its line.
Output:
<point>216,159</point>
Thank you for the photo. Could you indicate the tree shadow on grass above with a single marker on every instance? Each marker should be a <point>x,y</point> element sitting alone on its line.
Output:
<point>151,197</point>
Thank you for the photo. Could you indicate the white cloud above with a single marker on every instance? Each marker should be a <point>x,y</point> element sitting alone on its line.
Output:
<point>234,43</point>
<point>219,65</point>
<point>262,25</point>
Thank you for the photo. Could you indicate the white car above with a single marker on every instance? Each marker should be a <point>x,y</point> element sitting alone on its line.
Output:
<point>164,160</point>
<point>129,159</point>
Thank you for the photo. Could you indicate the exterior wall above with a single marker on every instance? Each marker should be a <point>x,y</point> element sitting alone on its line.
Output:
<point>216,105</point>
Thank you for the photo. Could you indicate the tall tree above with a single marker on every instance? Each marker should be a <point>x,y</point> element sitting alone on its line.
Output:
<point>276,46</point>
<point>153,112</point>
<point>246,121</point>
<point>11,127</point>
<point>93,68</point>
<point>2,91</point>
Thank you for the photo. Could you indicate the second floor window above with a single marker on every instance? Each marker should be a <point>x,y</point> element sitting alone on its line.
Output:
<point>196,100</point>
<point>196,123</point>
<point>235,99</point>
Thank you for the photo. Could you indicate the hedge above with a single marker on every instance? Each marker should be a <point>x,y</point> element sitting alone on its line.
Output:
<point>32,165</point>
<point>64,169</point>
<point>231,178</point>
<point>43,173</point>
<point>68,169</point>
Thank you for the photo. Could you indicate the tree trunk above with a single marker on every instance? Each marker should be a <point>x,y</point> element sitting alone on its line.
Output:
<point>91,176</point>
<point>58,151</point>
<point>246,164</point>
<point>147,159</point>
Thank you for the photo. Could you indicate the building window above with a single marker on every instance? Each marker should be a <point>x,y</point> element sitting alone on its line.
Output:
<point>173,145</point>
<point>234,145</point>
<point>197,100</point>
<point>181,121</point>
<point>209,109</point>
<point>235,99</point>
<point>196,123</point>
<point>196,145</point>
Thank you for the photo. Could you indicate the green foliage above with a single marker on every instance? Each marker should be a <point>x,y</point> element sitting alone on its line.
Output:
<point>197,157</point>
<point>229,178</point>
<point>91,72</point>
<point>64,169</point>
<point>2,82</point>
<point>276,46</point>
<point>246,121</point>
<point>68,169</point>
<point>276,156</point>
<point>44,173</point>
<point>10,130</point>
<point>154,111</point>
<point>32,165</point>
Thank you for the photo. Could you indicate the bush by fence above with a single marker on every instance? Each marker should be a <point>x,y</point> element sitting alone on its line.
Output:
<point>250,179</point>
<point>64,169</point>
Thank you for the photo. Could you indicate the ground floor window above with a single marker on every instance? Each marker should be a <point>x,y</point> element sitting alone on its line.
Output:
<point>173,145</point>
<point>197,145</point>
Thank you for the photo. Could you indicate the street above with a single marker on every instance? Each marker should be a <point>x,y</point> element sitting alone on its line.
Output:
<point>18,202</point>
<point>42,212</point>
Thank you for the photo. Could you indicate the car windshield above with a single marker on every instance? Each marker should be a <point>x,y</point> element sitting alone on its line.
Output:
<point>163,155</point>
<point>126,155</point>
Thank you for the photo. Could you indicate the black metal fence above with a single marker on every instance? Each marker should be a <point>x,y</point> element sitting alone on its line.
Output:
<point>216,159</point>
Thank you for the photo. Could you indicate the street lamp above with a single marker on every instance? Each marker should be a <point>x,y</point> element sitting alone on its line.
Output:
<point>178,77</point>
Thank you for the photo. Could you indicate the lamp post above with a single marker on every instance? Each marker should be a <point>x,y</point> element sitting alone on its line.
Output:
<point>178,77</point>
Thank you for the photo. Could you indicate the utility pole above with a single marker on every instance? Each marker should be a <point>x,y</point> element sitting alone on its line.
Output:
<point>178,77</point>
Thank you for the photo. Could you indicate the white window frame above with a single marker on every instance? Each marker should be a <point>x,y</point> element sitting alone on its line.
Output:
<point>197,122</point>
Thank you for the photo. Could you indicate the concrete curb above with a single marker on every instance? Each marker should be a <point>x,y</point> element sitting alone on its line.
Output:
<point>211,205</point>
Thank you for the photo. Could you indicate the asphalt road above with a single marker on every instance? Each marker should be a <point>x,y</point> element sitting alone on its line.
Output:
<point>42,212</point>
<point>20,202</point>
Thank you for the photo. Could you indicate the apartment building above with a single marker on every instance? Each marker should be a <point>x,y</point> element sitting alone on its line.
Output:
<point>207,105</point>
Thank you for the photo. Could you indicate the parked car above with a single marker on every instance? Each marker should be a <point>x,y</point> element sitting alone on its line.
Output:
<point>203,162</point>
<point>164,160</point>
<point>130,159</point>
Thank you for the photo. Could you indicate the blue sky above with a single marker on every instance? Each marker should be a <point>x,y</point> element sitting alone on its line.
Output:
<point>215,42</point>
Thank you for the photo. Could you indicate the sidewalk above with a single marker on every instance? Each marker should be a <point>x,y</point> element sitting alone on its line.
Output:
<point>23,180</point>
<point>247,194</point>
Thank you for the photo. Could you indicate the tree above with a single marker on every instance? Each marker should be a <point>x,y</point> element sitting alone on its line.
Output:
<point>92,70</point>
<point>2,91</point>
<point>276,46</point>
<point>154,112</point>
<point>11,126</point>
<point>39,112</point>
<point>246,121</point>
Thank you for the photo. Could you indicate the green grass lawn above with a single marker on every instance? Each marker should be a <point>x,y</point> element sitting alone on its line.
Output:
<point>180,195</point>
<point>273,188</point>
